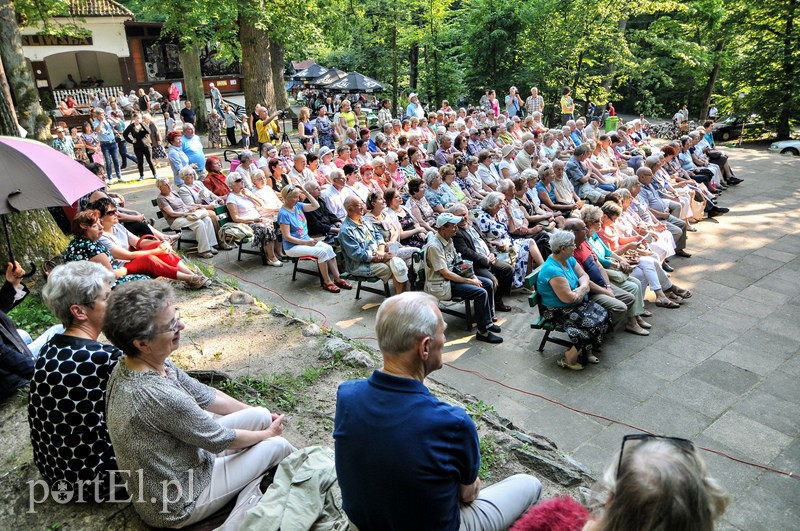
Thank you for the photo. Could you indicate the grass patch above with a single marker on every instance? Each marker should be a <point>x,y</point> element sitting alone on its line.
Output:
<point>281,391</point>
<point>489,456</point>
<point>32,315</point>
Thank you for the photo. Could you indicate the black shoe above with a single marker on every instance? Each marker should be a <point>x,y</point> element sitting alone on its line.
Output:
<point>502,307</point>
<point>488,338</point>
<point>668,268</point>
<point>723,210</point>
<point>733,181</point>
<point>494,328</point>
<point>683,253</point>
<point>717,211</point>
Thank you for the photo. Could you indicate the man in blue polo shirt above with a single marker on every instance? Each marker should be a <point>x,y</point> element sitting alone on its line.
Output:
<point>404,459</point>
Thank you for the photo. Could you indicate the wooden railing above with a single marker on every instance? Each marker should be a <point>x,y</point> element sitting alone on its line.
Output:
<point>84,95</point>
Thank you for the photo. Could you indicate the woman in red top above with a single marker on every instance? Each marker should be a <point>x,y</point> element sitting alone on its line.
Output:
<point>215,180</point>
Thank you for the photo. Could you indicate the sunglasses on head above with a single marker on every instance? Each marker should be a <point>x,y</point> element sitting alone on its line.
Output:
<point>238,180</point>
<point>684,444</point>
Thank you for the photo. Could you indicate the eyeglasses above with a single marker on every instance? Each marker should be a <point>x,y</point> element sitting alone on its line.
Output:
<point>238,180</point>
<point>111,213</point>
<point>684,444</point>
<point>174,325</point>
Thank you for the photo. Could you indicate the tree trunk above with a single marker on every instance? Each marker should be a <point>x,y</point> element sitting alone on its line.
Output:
<point>34,235</point>
<point>784,131</point>
<point>20,80</point>
<point>190,62</point>
<point>413,66</point>
<point>712,79</point>
<point>276,58</point>
<point>395,91</point>
<point>612,66</point>
<point>256,66</point>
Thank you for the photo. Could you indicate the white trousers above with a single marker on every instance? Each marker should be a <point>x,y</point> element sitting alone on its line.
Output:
<point>235,469</point>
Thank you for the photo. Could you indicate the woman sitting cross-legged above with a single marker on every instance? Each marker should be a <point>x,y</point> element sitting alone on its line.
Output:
<point>152,258</point>
<point>564,287</point>
<point>187,464</point>
<point>297,242</point>
<point>178,216</point>
<point>66,404</point>
<point>85,245</point>
<point>245,207</point>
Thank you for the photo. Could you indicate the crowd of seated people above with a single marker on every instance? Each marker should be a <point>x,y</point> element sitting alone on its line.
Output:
<point>598,215</point>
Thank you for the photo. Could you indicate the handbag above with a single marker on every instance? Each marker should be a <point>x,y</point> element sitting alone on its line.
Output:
<point>147,242</point>
<point>197,215</point>
<point>235,232</point>
<point>97,157</point>
<point>462,268</point>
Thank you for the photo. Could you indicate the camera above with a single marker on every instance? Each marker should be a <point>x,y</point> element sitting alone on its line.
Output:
<point>283,114</point>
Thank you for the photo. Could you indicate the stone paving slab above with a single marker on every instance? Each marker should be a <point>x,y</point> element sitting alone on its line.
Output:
<point>722,369</point>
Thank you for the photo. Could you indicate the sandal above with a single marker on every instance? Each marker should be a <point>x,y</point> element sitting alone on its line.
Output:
<point>647,313</point>
<point>342,283</point>
<point>564,365</point>
<point>591,358</point>
<point>333,288</point>
<point>681,292</point>
<point>666,303</point>
<point>674,296</point>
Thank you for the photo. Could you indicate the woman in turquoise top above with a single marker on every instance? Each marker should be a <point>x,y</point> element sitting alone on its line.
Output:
<point>297,242</point>
<point>564,286</point>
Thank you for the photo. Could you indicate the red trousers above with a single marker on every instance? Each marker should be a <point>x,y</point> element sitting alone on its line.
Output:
<point>155,265</point>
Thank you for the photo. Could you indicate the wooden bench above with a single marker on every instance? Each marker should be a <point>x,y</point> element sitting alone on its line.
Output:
<point>539,322</point>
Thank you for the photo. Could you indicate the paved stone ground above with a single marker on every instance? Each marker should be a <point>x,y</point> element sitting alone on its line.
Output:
<point>722,370</point>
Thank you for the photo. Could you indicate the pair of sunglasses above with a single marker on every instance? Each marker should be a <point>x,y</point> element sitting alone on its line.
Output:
<point>684,444</point>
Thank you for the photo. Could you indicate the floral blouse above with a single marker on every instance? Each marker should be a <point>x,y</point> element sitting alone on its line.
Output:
<point>81,248</point>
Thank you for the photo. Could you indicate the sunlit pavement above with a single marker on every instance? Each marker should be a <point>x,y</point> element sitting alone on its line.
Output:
<point>722,370</point>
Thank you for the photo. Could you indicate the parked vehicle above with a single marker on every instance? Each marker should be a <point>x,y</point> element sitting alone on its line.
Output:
<point>786,147</point>
<point>731,127</point>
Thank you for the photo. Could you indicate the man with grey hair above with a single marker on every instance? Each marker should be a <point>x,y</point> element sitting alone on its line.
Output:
<point>526,158</point>
<point>659,209</point>
<point>535,102</point>
<point>586,186</point>
<point>445,150</point>
<point>300,171</point>
<point>405,459</point>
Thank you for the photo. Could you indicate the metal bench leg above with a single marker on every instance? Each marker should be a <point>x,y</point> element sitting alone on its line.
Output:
<point>239,255</point>
<point>358,290</point>
<point>295,261</point>
<point>386,290</point>
<point>468,315</point>
<point>544,340</point>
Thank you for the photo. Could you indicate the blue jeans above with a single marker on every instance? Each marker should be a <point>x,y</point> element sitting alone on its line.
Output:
<point>607,187</point>
<point>123,151</point>
<point>482,298</point>
<point>110,152</point>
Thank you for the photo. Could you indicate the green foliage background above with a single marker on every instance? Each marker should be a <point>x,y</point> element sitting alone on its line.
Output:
<point>646,56</point>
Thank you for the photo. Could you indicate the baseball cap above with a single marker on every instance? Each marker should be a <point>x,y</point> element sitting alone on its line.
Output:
<point>446,218</point>
<point>412,95</point>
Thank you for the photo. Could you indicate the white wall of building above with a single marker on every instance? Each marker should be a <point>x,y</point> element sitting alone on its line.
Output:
<point>108,35</point>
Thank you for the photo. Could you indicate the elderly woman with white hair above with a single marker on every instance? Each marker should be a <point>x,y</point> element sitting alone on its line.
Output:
<point>245,207</point>
<point>564,287</point>
<point>188,463</point>
<point>194,193</point>
<point>247,167</point>
<point>438,194</point>
<point>178,215</point>
<point>521,253</point>
<point>66,403</point>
